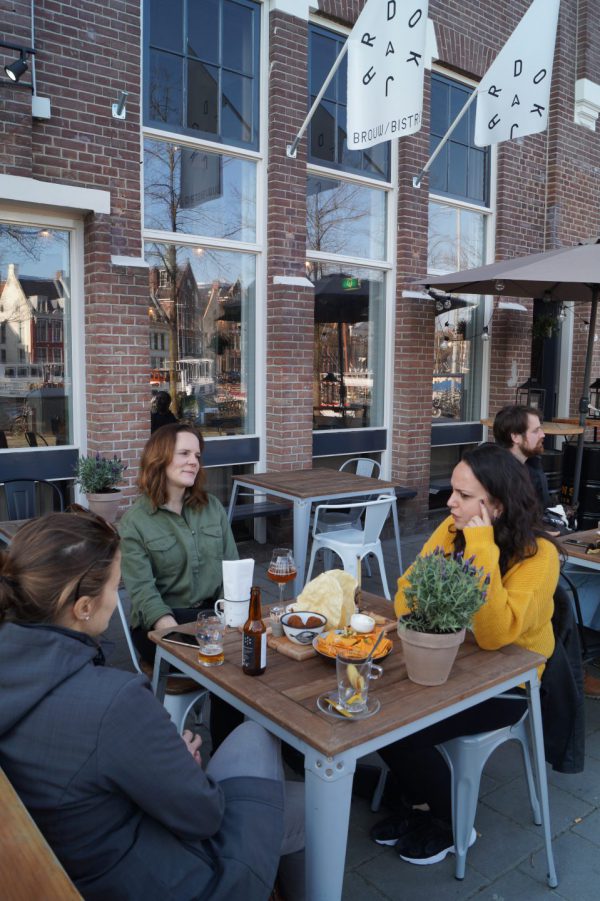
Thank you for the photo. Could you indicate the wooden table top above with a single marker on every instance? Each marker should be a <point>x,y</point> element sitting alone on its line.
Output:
<point>559,427</point>
<point>307,483</point>
<point>586,537</point>
<point>288,689</point>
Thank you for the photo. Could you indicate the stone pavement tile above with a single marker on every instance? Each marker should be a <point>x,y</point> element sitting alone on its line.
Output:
<point>360,848</point>
<point>500,843</point>
<point>506,763</point>
<point>358,889</point>
<point>397,879</point>
<point>577,866</point>
<point>592,745</point>
<point>592,715</point>
<point>516,886</point>
<point>584,785</point>
<point>589,828</point>
<point>513,801</point>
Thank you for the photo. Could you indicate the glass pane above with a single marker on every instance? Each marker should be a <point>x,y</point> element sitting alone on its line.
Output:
<point>201,321</point>
<point>203,97</point>
<point>322,132</point>
<point>237,109</point>
<point>438,174</point>
<point>200,193</point>
<point>457,169</point>
<point>166,25</point>
<point>458,98</point>
<point>439,106</point>
<point>35,357</point>
<point>476,175</point>
<point>165,90</point>
<point>203,30</point>
<point>346,218</point>
<point>323,52</point>
<point>349,346</point>
<point>472,240</point>
<point>442,253</point>
<point>238,49</point>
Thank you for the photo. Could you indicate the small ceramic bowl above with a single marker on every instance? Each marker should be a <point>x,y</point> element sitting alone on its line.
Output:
<point>303,634</point>
<point>360,622</point>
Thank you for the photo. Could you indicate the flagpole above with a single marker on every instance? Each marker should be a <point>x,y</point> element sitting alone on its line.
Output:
<point>417,179</point>
<point>292,148</point>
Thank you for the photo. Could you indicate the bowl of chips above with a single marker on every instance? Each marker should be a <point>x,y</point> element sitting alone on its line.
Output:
<point>302,627</point>
<point>330,594</point>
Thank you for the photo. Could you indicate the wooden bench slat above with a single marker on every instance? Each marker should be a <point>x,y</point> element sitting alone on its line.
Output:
<point>247,511</point>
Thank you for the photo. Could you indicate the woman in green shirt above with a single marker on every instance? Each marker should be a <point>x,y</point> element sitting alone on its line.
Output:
<point>174,537</point>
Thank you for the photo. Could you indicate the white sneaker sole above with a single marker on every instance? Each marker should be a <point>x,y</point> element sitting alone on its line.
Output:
<point>436,858</point>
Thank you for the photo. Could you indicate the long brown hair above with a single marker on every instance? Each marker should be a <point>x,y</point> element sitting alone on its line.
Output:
<point>156,456</point>
<point>52,561</point>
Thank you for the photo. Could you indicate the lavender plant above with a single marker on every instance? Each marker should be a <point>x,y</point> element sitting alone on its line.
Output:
<point>443,592</point>
<point>99,475</point>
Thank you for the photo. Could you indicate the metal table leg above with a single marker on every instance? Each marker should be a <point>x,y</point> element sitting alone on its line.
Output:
<point>301,529</point>
<point>535,714</point>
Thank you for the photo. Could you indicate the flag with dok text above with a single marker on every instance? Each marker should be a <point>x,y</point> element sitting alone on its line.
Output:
<point>514,94</point>
<point>386,57</point>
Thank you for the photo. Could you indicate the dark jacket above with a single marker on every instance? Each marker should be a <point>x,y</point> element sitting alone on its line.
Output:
<point>561,694</point>
<point>111,785</point>
<point>539,480</point>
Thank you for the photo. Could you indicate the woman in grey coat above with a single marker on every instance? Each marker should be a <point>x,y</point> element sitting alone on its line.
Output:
<point>120,797</point>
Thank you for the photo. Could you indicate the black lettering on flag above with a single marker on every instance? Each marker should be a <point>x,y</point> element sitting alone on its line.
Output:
<point>414,58</point>
<point>516,101</point>
<point>390,49</point>
<point>512,130</point>
<point>369,76</point>
<point>415,18</point>
<point>518,68</point>
<point>539,76</point>
<point>387,81</point>
<point>368,39</point>
<point>493,91</point>
<point>391,10</point>
<point>495,120</point>
<point>538,109</point>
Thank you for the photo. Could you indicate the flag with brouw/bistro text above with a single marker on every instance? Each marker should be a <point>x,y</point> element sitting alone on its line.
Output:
<point>514,94</point>
<point>386,57</point>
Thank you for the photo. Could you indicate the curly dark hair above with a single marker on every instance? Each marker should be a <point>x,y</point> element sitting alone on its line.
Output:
<point>507,481</point>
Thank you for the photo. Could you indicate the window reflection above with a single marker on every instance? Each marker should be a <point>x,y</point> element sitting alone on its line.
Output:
<point>345,218</point>
<point>348,358</point>
<point>197,192</point>
<point>35,365</point>
<point>201,314</point>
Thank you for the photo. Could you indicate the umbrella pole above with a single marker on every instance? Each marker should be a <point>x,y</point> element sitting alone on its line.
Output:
<point>584,400</point>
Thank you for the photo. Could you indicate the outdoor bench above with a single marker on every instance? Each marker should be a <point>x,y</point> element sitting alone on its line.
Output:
<point>261,508</point>
<point>28,867</point>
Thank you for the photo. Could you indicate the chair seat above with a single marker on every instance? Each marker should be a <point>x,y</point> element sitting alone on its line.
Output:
<point>347,538</point>
<point>176,685</point>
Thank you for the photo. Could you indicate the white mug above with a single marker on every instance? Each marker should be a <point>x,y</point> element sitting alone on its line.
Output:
<point>232,613</point>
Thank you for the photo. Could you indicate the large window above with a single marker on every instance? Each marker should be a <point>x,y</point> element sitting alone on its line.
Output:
<point>201,72</point>
<point>35,321</point>
<point>458,224</point>
<point>327,135</point>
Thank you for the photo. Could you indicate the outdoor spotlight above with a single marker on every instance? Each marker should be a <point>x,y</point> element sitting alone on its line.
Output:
<point>562,314</point>
<point>499,286</point>
<point>444,344</point>
<point>485,335</point>
<point>16,70</point>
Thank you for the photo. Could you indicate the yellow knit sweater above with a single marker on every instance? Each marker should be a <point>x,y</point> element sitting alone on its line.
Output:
<point>519,605</point>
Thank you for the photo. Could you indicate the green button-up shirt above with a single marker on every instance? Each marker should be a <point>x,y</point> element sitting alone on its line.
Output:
<point>171,560</point>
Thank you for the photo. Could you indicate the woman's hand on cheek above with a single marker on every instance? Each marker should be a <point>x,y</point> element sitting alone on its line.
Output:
<point>482,520</point>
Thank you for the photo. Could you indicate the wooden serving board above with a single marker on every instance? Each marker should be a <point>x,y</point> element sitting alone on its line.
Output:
<point>283,645</point>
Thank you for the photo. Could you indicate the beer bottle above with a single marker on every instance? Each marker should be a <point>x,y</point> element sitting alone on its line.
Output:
<point>254,638</point>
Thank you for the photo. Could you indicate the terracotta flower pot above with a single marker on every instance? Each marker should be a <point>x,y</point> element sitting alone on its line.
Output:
<point>429,656</point>
<point>105,504</point>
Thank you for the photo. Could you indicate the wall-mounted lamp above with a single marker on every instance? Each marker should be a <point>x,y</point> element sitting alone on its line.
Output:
<point>118,109</point>
<point>18,67</point>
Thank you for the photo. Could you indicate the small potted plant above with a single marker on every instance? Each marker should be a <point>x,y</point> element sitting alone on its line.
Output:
<point>98,477</point>
<point>443,594</point>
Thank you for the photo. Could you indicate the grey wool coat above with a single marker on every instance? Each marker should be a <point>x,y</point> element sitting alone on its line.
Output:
<point>111,785</point>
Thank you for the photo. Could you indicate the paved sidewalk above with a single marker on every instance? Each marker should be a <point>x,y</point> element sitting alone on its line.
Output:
<point>507,862</point>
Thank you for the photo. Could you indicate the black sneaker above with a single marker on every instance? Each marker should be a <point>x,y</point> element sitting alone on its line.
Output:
<point>390,830</point>
<point>428,844</point>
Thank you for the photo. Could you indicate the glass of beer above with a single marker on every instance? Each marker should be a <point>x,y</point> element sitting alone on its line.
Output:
<point>209,635</point>
<point>282,569</point>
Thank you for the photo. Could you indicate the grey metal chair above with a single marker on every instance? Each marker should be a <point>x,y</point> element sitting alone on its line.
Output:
<point>25,497</point>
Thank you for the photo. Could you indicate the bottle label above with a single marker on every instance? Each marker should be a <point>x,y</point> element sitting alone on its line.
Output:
<point>249,643</point>
<point>263,649</point>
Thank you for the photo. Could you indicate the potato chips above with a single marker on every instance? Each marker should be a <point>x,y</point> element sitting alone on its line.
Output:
<point>332,594</point>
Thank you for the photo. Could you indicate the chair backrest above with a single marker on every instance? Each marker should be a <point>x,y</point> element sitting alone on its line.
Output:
<point>364,466</point>
<point>23,497</point>
<point>127,633</point>
<point>376,513</point>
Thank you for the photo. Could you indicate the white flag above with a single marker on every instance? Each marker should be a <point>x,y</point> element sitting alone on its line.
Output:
<point>386,59</point>
<point>514,94</point>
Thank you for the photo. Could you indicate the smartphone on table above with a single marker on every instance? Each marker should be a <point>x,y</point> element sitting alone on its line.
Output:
<point>183,638</point>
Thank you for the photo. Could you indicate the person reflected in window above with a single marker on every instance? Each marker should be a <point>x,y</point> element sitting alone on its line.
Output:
<point>161,412</point>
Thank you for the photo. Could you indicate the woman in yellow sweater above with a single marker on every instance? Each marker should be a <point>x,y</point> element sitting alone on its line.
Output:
<point>493,518</point>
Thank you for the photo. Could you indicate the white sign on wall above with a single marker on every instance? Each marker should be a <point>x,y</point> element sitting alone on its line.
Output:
<point>386,60</point>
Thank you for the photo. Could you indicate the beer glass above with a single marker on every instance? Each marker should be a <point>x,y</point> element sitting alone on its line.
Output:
<point>209,635</point>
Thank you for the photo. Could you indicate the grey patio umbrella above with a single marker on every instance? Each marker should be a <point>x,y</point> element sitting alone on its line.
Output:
<point>564,274</point>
